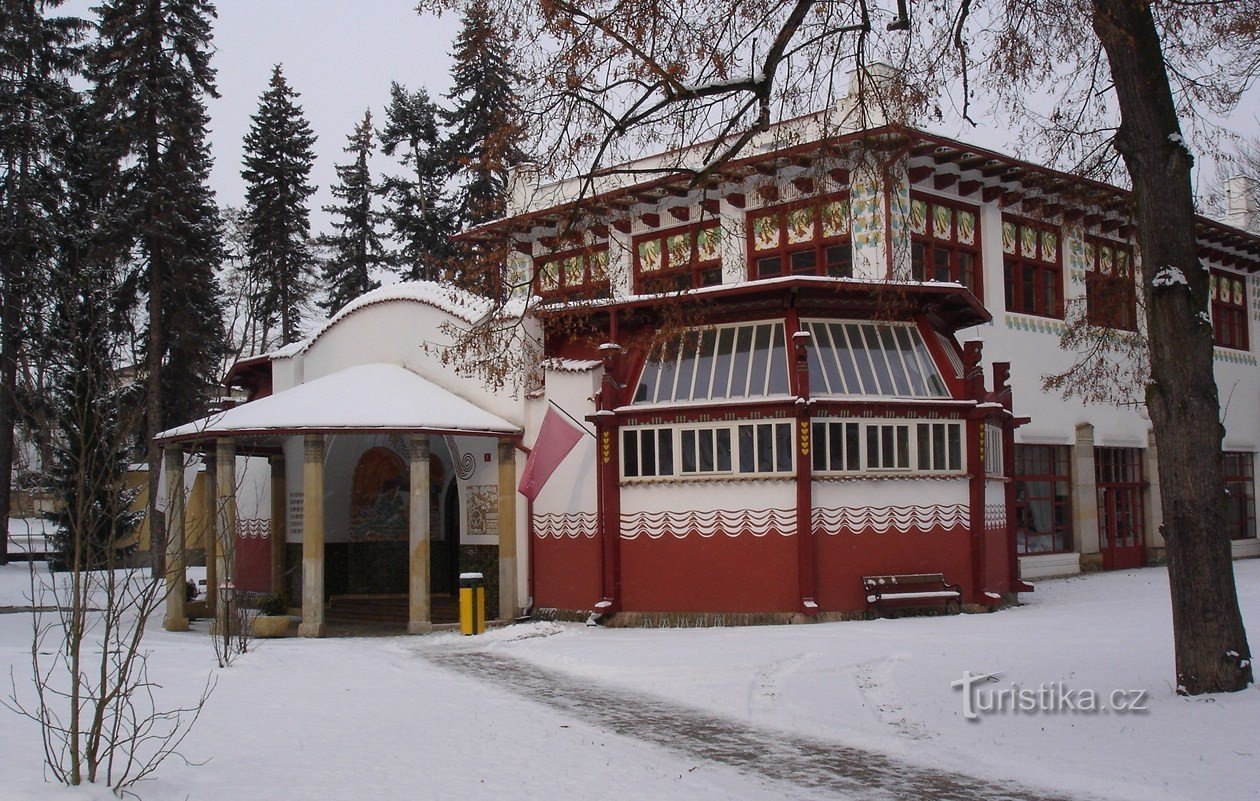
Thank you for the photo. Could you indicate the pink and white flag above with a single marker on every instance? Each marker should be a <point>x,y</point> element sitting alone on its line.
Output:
<point>556,438</point>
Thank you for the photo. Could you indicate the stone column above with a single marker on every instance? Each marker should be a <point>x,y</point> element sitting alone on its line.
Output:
<point>1085,497</point>
<point>176,619</point>
<point>313,538</point>
<point>508,608</point>
<point>418,617</point>
<point>279,523</point>
<point>224,522</point>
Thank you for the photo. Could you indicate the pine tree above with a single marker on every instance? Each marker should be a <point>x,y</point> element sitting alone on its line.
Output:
<point>37,56</point>
<point>416,207</point>
<point>354,249</point>
<point>485,116</point>
<point>151,73</point>
<point>278,161</point>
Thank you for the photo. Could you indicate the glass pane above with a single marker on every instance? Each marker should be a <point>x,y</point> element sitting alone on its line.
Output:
<point>722,364</point>
<point>648,462</point>
<point>874,352</point>
<point>837,445</point>
<point>852,438</point>
<point>819,377</point>
<point>857,349</point>
<point>955,447</point>
<point>688,451</point>
<point>893,355</point>
<point>724,450</point>
<point>765,448</point>
<point>783,447</point>
<point>924,444</point>
<point>630,453</point>
<point>757,375</point>
<point>903,446</point>
<point>818,432</point>
<point>704,365</point>
<point>778,363</point>
<point>872,447</point>
<point>905,346</point>
<point>939,451</point>
<point>746,462</point>
<point>805,262</point>
<point>769,267</point>
<point>739,367</point>
<point>646,391</point>
<point>706,450</point>
<point>665,445</point>
<point>686,366</point>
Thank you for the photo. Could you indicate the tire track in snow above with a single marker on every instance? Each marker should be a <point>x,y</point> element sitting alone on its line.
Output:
<point>819,767</point>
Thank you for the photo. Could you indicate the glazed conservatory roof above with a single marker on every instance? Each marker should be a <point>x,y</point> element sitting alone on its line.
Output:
<point>366,397</point>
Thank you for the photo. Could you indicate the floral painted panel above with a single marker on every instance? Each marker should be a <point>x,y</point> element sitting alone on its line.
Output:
<point>599,265</point>
<point>966,227</point>
<point>942,219</point>
<point>679,247</point>
<point>766,232</point>
<point>1009,233</point>
<point>1028,242</point>
<point>1049,246</point>
<point>835,218</point>
<point>800,226</point>
<point>650,255</point>
<point>708,243</point>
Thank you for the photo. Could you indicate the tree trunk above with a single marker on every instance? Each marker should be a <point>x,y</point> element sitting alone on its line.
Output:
<point>1212,654</point>
<point>10,341</point>
<point>156,338</point>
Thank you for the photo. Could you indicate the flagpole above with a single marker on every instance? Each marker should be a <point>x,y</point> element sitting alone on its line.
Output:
<point>571,417</point>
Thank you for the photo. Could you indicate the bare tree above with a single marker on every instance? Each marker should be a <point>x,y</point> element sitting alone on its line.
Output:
<point>1105,87</point>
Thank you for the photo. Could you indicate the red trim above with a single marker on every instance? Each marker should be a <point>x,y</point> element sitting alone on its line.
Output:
<point>807,548</point>
<point>784,250</point>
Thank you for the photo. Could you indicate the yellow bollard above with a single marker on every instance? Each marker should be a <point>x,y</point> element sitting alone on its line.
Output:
<point>472,603</point>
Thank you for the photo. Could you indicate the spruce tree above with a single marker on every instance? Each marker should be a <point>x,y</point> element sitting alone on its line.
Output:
<point>151,76</point>
<point>354,247</point>
<point>278,161</point>
<point>416,207</point>
<point>38,54</point>
<point>485,116</point>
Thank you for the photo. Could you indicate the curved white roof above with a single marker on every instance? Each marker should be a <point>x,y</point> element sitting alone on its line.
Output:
<point>366,397</point>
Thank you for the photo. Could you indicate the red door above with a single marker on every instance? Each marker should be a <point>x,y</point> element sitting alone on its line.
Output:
<point>1118,472</point>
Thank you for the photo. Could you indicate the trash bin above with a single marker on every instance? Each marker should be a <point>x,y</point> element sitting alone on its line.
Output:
<point>472,603</point>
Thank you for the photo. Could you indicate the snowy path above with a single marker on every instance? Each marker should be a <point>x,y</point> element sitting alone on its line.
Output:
<point>812,765</point>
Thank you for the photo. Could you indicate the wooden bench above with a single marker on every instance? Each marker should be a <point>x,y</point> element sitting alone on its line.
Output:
<point>912,589</point>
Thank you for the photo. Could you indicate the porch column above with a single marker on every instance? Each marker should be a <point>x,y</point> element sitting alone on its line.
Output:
<point>418,615</point>
<point>176,619</point>
<point>508,608</point>
<point>279,523</point>
<point>313,538</point>
<point>225,522</point>
<point>209,533</point>
<point>1085,497</point>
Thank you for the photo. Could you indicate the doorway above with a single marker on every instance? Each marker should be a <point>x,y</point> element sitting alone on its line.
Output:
<point>1121,511</point>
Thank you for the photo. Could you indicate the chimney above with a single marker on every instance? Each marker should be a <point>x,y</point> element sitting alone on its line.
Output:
<point>522,186</point>
<point>1240,202</point>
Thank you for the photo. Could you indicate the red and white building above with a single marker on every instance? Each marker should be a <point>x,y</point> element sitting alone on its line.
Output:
<point>826,363</point>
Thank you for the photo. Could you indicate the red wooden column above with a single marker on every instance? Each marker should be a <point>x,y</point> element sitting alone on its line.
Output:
<point>608,481</point>
<point>806,545</point>
<point>973,377</point>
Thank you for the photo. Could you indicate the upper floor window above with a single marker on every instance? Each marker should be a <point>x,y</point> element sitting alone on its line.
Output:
<point>582,273</point>
<point>730,361</point>
<point>1031,254</point>
<point>807,238</point>
<point>747,448</point>
<point>873,446</point>
<point>681,258</point>
<point>864,358</point>
<point>1110,284</point>
<point>944,242</point>
<point>1229,310</point>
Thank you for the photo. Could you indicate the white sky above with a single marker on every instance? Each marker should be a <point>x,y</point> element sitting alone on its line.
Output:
<point>341,56</point>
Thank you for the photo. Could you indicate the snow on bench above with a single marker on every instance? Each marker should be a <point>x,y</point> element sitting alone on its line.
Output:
<point>909,587</point>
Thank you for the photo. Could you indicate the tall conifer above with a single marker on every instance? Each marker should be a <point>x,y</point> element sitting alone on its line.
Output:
<point>151,73</point>
<point>354,247</point>
<point>278,161</point>
<point>485,116</point>
<point>416,207</point>
<point>38,53</point>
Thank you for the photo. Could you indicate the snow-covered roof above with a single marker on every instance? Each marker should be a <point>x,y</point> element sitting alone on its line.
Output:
<point>446,297</point>
<point>365,397</point>
<point>571,365</point>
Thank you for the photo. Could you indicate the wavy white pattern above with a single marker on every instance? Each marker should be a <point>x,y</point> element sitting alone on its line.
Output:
<point>680,525</point>
<point>882,519</point>
<point>253,528</point>
<point>559,525</point>
<point>995,516</point>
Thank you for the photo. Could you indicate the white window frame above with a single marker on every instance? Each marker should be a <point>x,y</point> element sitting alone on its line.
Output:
<point>756,383</point>
<point>883,428</point>
<point>697,434</point>
<point>908,360</point>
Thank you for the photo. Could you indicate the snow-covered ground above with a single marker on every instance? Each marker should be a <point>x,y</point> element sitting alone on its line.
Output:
<point>377,718</point>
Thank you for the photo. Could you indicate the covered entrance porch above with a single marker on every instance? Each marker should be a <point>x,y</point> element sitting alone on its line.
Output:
<point>384,486</point>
